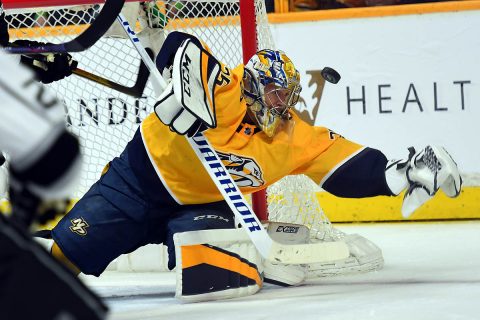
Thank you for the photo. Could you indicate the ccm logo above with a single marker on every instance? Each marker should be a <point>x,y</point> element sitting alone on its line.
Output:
<point>186,74</point>
<point>287,229</point>
<point>210,216</point>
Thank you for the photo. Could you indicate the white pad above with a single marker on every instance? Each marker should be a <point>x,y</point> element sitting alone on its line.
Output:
<point>47,244</point>
<point>167,106</point>
<point>194,76</point>
<point>229,253</point>
<point>452,181</point>
<point>414,198</point>
<point>365,256</point>
<point>171,113</point>
<point>189,97</point>
<point>183,122</point>
<point>282,274</point>
<point>3,182</point>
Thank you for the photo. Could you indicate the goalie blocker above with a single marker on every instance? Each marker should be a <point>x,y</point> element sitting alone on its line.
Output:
<point>187,105</point>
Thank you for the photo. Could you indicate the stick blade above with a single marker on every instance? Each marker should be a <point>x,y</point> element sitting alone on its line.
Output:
<point>308,253</point>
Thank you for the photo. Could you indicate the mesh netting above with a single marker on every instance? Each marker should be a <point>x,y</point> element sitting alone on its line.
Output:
<point>105,120</point>
<point>293,199</point>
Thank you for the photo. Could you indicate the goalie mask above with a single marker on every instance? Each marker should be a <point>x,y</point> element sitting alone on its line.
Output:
<point>271,86</point>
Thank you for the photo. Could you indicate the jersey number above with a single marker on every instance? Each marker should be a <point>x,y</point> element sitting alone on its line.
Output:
<point>224,76</point>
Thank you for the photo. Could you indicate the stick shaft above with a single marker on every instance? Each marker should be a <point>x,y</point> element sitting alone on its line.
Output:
<point>157,80</point>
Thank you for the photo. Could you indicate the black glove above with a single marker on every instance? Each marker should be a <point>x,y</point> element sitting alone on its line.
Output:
<point>47,69</point>
<point>4,38</point>
<point>2,159</point>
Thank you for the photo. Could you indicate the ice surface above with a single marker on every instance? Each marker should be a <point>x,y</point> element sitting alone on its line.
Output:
<point>431,272</point>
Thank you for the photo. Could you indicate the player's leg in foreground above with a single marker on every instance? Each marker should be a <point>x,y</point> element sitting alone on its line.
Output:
<point>43,161</point>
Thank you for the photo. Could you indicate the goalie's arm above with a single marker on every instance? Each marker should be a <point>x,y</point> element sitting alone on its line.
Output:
<point>367,173</point>
<point>187,105</point>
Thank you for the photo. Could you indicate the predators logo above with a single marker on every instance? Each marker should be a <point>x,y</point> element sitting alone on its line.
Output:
<point>79,226</point>
<point>306,113</point>
<point>244,171</point>
<point>317,81</point>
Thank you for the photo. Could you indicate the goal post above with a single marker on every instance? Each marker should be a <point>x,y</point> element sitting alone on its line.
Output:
<point>250,47</point>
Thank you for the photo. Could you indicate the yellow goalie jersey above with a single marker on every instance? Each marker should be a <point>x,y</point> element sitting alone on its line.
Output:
<point>253,160</point>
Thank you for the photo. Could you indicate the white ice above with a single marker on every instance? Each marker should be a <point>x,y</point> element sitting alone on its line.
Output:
<point>431,272</point>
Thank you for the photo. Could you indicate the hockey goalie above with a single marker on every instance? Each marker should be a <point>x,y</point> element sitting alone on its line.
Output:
<point>156,191</point>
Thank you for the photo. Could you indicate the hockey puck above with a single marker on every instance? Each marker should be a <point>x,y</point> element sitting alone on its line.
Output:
<point>330,75</point>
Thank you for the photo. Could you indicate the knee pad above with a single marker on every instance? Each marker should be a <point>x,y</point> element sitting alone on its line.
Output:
<point>197,217</point>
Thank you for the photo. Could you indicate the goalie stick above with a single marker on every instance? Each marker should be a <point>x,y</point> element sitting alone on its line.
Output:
<point>269,249</point>
<point>85,40</point>
<point>135,91</point>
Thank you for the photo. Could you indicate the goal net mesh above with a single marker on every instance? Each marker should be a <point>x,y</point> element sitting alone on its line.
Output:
<point>105,119</point>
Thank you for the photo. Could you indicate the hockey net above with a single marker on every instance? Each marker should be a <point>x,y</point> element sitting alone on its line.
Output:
<point>105,119</point>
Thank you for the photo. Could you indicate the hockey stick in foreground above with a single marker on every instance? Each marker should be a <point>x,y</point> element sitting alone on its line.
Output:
<point>269,249</point>
<point>86,39</point>
<point>135,91</point>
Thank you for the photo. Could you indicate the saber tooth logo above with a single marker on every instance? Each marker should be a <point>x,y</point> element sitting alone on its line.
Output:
<point>245,171</point>
<point>79,226</point>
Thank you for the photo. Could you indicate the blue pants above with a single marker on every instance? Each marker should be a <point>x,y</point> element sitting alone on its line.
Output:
<point>115,217</point>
